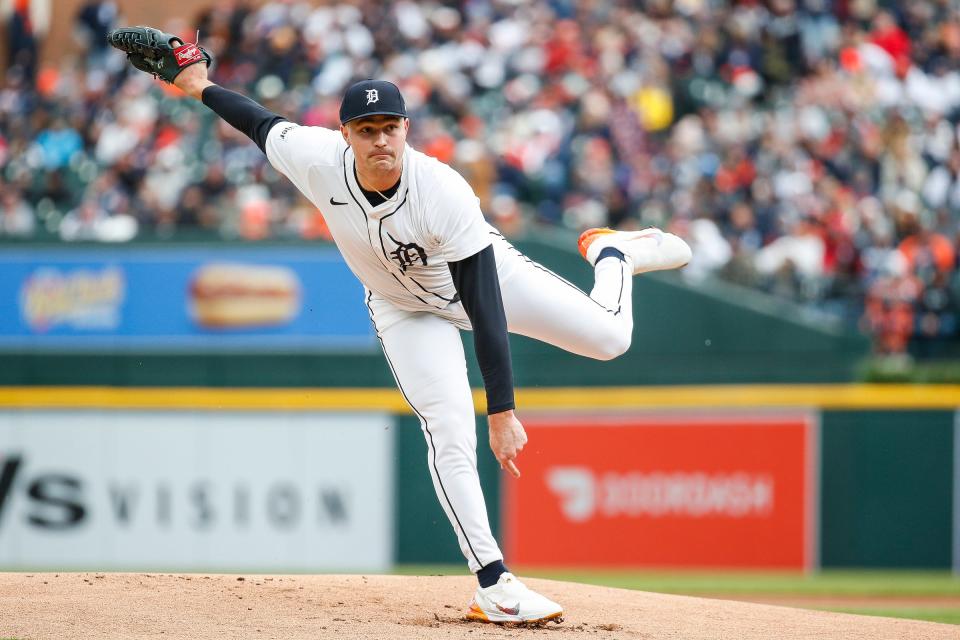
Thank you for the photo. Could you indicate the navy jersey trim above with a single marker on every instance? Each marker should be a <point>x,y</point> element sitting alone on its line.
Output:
<point>366,223</point>
<point>363,211</point>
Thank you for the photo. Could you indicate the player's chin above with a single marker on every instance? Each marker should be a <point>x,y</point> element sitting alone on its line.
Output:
<point>383,163</point>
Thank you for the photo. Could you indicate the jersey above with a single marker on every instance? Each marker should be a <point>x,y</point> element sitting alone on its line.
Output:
<point>400,248</point>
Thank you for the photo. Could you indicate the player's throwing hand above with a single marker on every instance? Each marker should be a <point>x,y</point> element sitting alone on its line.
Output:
<point>507,438</point>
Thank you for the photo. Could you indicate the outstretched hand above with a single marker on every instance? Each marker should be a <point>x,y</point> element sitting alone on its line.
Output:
<point>507,439</point>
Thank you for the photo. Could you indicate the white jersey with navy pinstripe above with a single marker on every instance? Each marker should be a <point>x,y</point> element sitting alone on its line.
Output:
<point>400,248</point>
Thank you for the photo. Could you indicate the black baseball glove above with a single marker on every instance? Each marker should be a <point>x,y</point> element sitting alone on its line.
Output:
<point>163,55</point>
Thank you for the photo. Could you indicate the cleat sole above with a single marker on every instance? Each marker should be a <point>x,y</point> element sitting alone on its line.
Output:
<point>476,615</point>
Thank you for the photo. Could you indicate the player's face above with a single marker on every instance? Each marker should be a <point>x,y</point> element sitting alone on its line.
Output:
<point>377,142</point>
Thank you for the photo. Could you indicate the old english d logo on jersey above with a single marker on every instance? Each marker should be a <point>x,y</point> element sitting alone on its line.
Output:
<point>406,255</point>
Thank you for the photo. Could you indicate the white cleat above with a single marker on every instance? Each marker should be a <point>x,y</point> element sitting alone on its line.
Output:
<point>648,250</point>
<point>511,601</point>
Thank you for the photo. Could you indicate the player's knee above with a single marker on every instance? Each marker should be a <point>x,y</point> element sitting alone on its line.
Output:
<point>450,432</point>
<point>614,345</point>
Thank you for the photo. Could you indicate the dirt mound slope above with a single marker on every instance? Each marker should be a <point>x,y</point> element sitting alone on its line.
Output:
<point>192,606</point>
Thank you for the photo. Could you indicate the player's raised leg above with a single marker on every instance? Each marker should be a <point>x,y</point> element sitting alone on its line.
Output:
<point>542,305</point>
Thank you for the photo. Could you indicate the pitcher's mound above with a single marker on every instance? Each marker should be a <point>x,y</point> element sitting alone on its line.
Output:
<point>123,605</point>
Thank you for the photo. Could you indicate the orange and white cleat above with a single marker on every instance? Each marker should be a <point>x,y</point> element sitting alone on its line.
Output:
<point>648,250</point>
<point>511,601</point>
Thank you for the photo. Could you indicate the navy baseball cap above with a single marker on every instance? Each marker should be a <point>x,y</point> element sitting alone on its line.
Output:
<point>372,98</point>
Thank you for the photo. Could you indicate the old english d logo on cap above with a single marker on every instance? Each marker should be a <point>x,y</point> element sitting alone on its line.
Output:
<point>372,98</point>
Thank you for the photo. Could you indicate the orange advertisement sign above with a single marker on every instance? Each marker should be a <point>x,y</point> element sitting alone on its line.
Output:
<point>686,490</point>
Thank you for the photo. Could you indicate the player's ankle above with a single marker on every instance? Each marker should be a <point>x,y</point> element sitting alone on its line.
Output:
<point>611,252</point>
<point>489,575</point>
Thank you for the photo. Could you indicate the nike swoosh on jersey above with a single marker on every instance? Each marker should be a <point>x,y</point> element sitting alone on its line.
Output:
<point>332,201</point>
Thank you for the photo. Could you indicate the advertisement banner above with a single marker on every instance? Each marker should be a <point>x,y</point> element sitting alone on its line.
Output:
<point>679,490</point>
<point>258,491</point>
<point>181,298</point>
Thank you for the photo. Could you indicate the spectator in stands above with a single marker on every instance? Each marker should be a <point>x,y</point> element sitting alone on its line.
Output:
<point>16,215</point>
<point>94,21</point>
<point>25,23</point>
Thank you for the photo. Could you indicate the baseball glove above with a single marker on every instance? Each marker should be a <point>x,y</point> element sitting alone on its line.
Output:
<point>163,55</point>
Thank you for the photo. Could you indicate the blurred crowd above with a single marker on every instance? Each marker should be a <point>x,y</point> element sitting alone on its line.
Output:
<point>808,148</point>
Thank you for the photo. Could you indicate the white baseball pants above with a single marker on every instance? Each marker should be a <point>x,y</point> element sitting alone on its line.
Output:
<point>425,354</point>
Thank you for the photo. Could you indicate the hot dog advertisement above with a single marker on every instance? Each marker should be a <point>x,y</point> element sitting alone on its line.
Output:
<point>262,298</point>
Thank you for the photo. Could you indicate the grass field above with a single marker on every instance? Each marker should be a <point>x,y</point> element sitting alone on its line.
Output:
<point>921,595</point>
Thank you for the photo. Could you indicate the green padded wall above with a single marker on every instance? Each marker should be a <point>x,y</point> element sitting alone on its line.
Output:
<point>886,489</point>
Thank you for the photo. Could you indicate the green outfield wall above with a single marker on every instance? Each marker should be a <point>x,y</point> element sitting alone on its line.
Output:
<point>885,457</point>
<point>887,488</point>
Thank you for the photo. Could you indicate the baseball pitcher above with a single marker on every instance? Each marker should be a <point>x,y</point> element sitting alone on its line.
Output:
<point>410,228</point>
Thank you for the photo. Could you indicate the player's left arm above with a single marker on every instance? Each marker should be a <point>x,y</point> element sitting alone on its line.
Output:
<point>239,111</point>
<point>478,286</point>
<point>291,149</point>
<point>167,57</point>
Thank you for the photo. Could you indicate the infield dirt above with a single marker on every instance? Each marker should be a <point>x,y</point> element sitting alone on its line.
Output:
<point>192,606</point>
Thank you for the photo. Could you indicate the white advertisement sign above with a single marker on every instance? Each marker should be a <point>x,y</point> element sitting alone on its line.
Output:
<point>259,491</point>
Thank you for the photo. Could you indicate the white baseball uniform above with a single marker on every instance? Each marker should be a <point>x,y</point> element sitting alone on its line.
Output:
<point>400,251</point>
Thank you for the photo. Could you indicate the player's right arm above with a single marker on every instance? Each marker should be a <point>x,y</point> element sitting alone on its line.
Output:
<point>465,243</point>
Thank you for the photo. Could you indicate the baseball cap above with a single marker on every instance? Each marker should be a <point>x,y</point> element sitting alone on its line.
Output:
<point>371,98</point>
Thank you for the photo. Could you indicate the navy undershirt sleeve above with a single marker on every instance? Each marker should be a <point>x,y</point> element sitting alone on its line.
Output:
<point>242,113</point>
<point>478,285</point>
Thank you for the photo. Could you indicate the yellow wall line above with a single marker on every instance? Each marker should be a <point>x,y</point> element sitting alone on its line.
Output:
<point>840,396</point>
